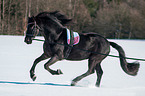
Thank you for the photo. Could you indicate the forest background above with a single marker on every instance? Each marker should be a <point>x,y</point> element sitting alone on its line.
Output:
<point>117,19</point>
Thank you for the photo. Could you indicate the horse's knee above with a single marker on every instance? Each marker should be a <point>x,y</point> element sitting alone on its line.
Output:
<point>91,71</point>
<point>46,66</point>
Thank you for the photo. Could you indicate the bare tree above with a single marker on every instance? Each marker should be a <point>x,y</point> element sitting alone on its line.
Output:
<point>29,8</point>
<point>26,10</point>
<point>37,6</point>
<point>9,14</point>
<point>2,15</point>
<point>111,18</point>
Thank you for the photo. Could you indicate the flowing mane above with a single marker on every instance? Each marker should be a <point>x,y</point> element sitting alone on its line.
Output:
<point>56,14</point>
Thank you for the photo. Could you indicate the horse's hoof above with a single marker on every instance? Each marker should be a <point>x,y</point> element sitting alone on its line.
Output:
<point>97,85</point>
<point>33,78</point>
<point>59,71</point>
<point>73,83</point>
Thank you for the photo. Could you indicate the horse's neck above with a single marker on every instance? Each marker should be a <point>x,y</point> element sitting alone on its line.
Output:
<point>43,34</point>
<point>53,36</point>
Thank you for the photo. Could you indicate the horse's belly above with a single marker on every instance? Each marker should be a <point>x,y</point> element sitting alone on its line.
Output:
<point>81,55</point>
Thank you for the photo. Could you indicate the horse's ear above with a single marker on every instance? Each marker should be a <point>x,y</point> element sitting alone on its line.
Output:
<point>28,18</point>
<point>33,17</point>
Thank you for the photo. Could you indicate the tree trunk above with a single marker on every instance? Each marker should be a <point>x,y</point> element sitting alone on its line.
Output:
<point>26,11</point>
<point>74,8</point>
<point>2,16</point>
<point>29,8</point>
<point>9,13</point>
<point>16,18</point>
<point>119,32</point>
<point>37,8</point>
<point>70,7</point>
<point>129,37</point>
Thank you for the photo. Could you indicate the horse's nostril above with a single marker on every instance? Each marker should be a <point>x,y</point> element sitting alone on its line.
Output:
<point>28,40</point>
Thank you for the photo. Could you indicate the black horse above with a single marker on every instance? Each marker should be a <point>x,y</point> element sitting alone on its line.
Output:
<point>51,26</point>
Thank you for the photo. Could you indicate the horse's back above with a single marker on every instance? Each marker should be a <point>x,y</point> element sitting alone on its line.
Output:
<point>90,43</point>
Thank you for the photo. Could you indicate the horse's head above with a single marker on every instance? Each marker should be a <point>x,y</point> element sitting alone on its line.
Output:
<point>52,24</point>
<point>32,30</point>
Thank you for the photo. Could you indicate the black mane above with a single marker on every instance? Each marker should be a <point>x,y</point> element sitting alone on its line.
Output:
<point>56,14</point>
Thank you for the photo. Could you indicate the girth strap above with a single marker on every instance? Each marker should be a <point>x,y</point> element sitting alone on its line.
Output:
<point>68,49</point>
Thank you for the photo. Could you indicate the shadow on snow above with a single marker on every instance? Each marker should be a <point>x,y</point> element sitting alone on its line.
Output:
<point>28,83</point>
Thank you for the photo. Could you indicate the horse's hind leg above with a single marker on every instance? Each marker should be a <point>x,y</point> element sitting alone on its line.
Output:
<point>42,57</point>
<point>94,64</point>
<point>74,81</point>
<point>91,68</point>
<point>99,73</point>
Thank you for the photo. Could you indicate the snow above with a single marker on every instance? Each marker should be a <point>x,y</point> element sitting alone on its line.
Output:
<point>17,58</point>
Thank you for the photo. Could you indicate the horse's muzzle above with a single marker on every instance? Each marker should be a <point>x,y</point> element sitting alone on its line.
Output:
<point>28,40</point>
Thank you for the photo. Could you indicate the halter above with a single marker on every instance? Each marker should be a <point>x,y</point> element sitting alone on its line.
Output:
<point>34,29</point>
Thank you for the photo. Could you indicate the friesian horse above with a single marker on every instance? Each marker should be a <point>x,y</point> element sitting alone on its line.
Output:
<point>52,26</point>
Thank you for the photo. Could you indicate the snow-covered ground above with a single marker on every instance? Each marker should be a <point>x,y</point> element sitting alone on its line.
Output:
<point>17,57</point>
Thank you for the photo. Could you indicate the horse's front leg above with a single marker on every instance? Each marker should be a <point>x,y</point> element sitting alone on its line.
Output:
<point>50,62</point>
<point>32,74</point>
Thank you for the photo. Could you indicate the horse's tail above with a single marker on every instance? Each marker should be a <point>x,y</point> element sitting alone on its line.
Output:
<point>129,68</point>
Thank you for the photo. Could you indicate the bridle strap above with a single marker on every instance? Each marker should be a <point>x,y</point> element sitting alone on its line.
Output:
<point>35,24</point>
<point>35,27</point>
